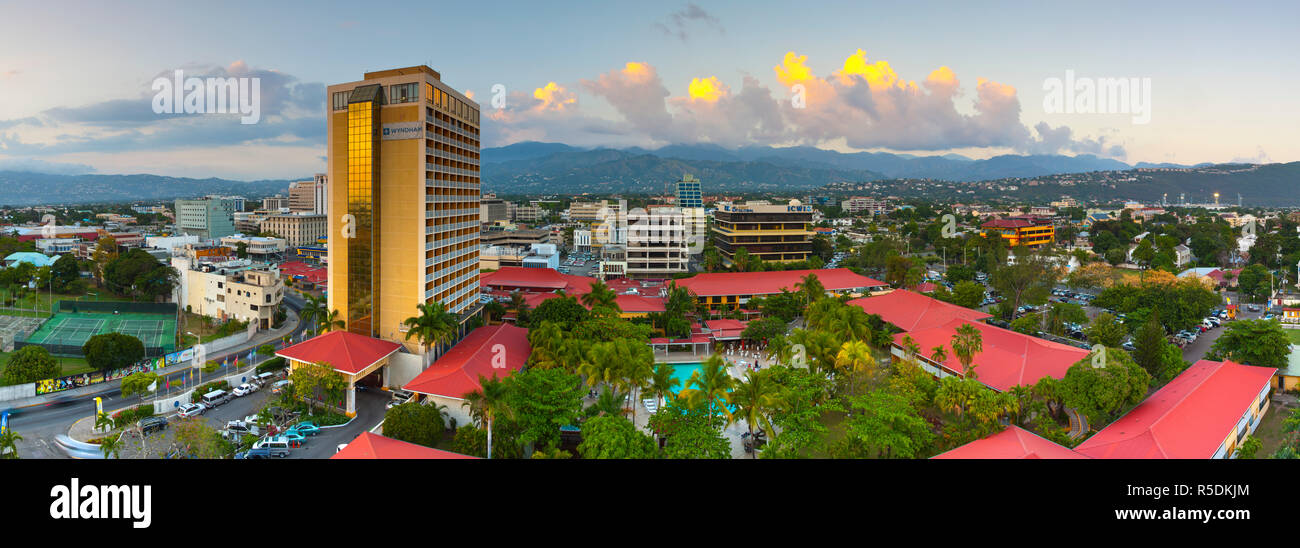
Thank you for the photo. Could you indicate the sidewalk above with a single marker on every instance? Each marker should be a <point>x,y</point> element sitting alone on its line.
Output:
<point>262,337</point>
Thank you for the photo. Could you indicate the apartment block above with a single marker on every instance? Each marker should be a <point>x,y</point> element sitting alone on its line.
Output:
<point>207,218</point>
<point>297,229</point>
<point>774,233</point>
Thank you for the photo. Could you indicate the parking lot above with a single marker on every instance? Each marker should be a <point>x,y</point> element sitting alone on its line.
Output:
<point>370,411</point>
<point>579,264</point>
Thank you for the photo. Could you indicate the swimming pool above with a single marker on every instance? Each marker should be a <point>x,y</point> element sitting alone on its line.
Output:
<point>683,371</point>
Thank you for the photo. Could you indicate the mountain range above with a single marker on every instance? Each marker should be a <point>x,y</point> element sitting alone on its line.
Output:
<point>533,167</point>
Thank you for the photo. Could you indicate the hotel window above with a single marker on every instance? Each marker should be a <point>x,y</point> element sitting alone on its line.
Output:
<point>403,93</point>
<point>341,100</point>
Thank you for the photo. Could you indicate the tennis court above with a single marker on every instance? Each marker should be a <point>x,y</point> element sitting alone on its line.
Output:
<point>65,333</point>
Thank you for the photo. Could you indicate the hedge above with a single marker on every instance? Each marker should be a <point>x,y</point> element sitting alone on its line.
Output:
<point>202,390</point>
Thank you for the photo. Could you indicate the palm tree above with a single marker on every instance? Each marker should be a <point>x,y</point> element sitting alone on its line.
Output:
<point>755,399</point>
<point>854,357</point>
<point>662,382</point>
<point>111,446</point>
<point>966,344</point>
<point>329,322</point>
<point>637,372</point>
<point>610,402</point>
<point>710,386</point>
<point>939,354</point>
<point>551,349</point>
<point>9,444</point>
<point>434,326</point>
<point>487,403</point>
<point>519,305</point>
<point>494,311</point>
<point>601,296</point>
<point>811,288</point>
<point>313,310</point>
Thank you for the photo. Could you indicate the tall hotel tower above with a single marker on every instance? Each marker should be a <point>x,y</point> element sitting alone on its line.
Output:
<point>403,200</point>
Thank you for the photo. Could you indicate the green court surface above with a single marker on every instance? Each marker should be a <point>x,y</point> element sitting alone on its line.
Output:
<point>153,330</point>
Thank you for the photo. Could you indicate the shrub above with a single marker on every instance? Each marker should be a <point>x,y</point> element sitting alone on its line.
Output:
<point>214,385</point>
<point>129,416</point>
<point>274,364</point>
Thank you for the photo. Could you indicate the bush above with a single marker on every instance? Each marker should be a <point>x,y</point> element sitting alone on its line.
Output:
<point>274,364</point>
<point>129,416</point>
<point>30,364</point>
<point>415,423</point>
<point>204,389</point>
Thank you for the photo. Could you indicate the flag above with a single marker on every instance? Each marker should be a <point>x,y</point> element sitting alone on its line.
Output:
<point>153,386</point>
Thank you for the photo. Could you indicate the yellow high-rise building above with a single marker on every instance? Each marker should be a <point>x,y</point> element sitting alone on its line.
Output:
<point>403,200</point>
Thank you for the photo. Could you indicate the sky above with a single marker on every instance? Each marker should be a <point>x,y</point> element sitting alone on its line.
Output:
<point>1208,81</point>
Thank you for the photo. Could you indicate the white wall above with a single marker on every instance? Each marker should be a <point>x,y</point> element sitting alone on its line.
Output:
<point>454,409</point>
<point>18,391</point>
<point>402,368</point>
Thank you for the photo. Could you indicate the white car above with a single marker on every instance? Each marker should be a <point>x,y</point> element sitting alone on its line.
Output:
<point>191,410</point>
<point>244,390</point>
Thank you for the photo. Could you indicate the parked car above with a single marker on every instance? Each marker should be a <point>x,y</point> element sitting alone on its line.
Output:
<point>1129,346</point>
<point>258,454</point>
<point>243,390</point>
<point>216,398</point>
<point>241,428</point>
<point>1253,308</point>
<point>305,428</point>
<point>279,386</point>
<point>400,397</point>
<point>294,438</point>
<point>149,425</point>
<point>191,410</point>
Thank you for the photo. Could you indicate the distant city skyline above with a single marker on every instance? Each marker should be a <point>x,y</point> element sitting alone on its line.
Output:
<point>923,78</point>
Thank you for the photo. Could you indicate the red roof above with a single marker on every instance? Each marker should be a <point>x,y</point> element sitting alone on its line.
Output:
<point>1015,222</point>
<point>766,283</point>
<point>924,287</point>
<point>726,328</point>
<point>456,373</point>
<point>638,303</point>
<point>346,351</point>
<point>1008,358</point>
<point>1189,418</point>
<point>1013,442</point>
<point>912,311</point>
<point>693,339</point>
<point>375,446</point>
<point>535,280</point>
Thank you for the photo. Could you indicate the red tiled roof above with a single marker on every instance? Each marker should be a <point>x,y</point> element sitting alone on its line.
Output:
<point>1013,442</point>
<point>924,287</point>
<point>726,328</point>
<point>912,311</point>
<point>456,373</point>
<point>1189,418</point>
<point>536,280</point>
<point>766,283</point>
<point>345,351</point>
<point>1008,358</point>
<point>375,446</point>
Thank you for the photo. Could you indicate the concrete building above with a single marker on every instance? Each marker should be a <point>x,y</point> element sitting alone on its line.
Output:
<point>774,233</point>
<point>858,204</point>
<point>309,196</point>
<point>542,256</point>
<point>275,203</point>
<point>207,218</point>
<point>657,245</point>
<point>233,289</point>
<point>689,192</point>
<point>403,157</point>
<point>297,229</point>
<point>517,238</point>
<point>582,240</point>
<point>57,246</point>
<point>528,214</point>
<point>494,209</point>
<point>263,247</point>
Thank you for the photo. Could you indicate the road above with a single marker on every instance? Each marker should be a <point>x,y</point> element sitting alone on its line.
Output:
<point>39,425</point>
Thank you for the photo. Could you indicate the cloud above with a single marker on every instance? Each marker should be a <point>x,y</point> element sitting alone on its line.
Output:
<point>864,104</point>
<point>1260,157</point>
<point>41,166</point>
<point>679,20</point>
<point>292,112</point>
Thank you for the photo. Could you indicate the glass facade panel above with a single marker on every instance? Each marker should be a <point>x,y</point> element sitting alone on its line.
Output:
<point>363,176</point>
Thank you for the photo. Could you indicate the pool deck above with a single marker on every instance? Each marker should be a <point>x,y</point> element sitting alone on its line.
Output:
<point>738,366</point>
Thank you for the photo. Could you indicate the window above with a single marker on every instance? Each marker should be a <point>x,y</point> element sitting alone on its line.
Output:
<point>341,100</point>
<point>403,93</point>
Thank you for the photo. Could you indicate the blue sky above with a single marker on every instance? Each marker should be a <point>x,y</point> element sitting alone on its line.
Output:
<point>75,77</point>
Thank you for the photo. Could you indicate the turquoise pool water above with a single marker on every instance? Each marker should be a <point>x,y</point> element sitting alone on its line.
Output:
<point>683,371</point>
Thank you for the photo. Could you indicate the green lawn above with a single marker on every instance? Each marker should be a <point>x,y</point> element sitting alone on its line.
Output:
<point>71,366</point>
<point>1293,334</point>
<point>1269,431</point>
<point>41,301</point>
